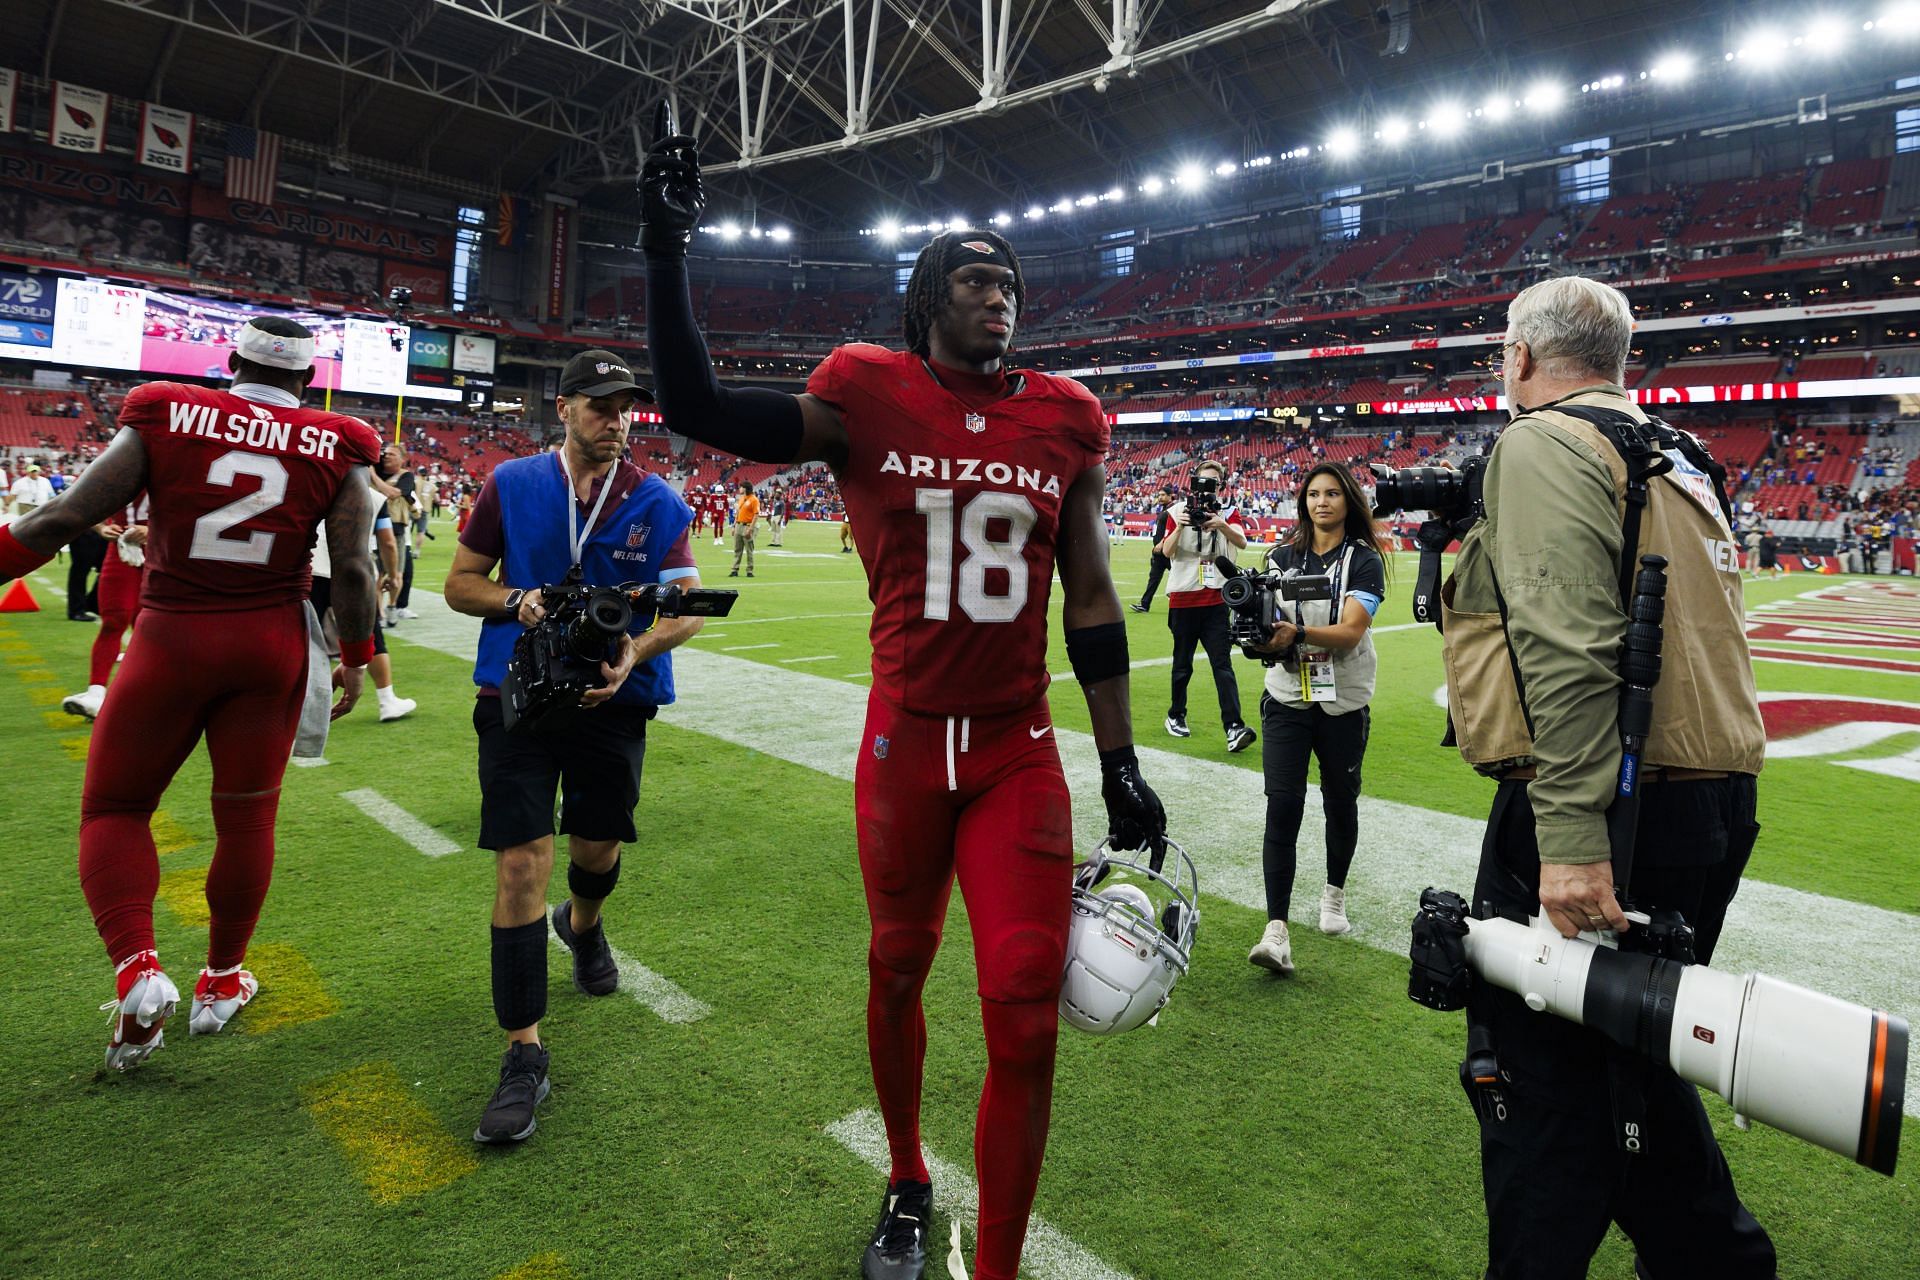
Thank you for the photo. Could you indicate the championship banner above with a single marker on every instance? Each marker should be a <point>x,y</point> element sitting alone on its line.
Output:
<point>9,90</point>
<point>560,223</point>
<point>79,120</point>
<point>166,138</point>
<point>473,353</point>
<point>429,284</point>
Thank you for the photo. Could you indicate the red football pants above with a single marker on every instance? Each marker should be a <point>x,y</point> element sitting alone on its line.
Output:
<point>239,679</point>
<point>983,799</point>
<point>119,595</point>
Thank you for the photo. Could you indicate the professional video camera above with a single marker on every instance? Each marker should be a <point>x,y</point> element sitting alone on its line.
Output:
<point>556,661</point>
<point>1454,503</point>
<point>1818,1068</point>
<point>1253,596</point>
<point>1203,499</point>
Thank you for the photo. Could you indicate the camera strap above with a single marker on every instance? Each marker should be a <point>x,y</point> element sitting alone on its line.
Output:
<point>577,537</point>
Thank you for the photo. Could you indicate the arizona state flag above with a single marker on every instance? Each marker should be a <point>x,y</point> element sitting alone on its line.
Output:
<point>79,120</point>
<point>166,138</point>
<point>510,231</point>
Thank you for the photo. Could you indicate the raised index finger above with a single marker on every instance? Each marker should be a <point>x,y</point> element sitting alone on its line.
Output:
<point>664,126</point>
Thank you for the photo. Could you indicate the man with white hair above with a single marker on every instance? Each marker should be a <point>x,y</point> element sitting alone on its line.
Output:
<point>30,491</point>
<point>1576,1133</point>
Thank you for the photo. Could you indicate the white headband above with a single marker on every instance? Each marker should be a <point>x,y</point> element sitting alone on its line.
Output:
<point>257,345</point>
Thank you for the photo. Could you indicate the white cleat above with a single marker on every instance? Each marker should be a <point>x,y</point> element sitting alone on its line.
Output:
<point>397,708</point>
<point>138,1016</point>
<point>84,704</point>
<point>218,996</point>
<point>1274,950</point>
<point>1333,911</point>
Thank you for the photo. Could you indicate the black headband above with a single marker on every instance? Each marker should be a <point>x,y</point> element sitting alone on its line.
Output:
<point>971,248</point>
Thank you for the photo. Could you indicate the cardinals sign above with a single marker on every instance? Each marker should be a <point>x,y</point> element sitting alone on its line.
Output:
<point>79,118</point>
<point>166,138</point>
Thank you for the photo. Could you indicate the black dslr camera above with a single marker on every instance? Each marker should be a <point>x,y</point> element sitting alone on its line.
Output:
<point>1454,501</point>
<point>1203,499</point>
<point>1253,600</point>
<point>558,659</point>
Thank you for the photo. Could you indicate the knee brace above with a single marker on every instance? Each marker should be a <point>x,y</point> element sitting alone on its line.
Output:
<point>592,886</point>
<point>1024,966</point>
<point>520,974</point>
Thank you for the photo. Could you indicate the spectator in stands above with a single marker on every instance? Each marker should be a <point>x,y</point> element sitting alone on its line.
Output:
<point>31,491</point>
<point>1196,615</point>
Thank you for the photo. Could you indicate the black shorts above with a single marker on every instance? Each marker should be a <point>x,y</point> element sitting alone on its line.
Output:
<point>594,762</point>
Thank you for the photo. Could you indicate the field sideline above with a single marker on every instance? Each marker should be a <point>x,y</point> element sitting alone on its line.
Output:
<point>710,1120</point>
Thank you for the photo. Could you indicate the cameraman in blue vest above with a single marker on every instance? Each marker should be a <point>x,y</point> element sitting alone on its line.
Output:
<point>584,504</point>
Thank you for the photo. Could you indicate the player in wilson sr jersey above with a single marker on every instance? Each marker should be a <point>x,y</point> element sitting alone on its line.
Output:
<point>968,485</point>
<point>237,483</point>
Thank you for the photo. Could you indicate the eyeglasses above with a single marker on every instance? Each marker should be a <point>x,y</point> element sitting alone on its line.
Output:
<point>1500,364</point>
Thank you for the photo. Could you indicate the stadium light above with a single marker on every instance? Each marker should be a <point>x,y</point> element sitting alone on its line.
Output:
<point>1190,176</point>
<point>1342,142</point>
<point>1114,193</point>
<point>1087,202</point>
<point>1394,130</point>
<point>1002,219</point>
<point>780,235</point>
<point>1825,34</point>
<point>1225,169</point>
<point>729,231</point>
<point>1446,119</point>
<point>1674,68</point>
<point>1900,19</point>
<point>1542,98</point>
<point>1497,108</point>
<point>1152,187</point>
<point>1035,213</point>
<point>889,230</point>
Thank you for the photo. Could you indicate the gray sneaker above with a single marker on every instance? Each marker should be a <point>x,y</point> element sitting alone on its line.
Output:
<point>1177,726</point>
<point>523,1087</point>
<point>1239,738</point>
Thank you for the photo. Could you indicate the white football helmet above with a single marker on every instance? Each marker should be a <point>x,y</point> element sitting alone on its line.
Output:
<point>1122,959</point>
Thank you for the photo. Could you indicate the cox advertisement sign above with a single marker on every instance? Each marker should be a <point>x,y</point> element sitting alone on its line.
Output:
<point>431,350</point>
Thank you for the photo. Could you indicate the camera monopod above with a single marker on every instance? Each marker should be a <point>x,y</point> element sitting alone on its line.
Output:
<point>1639,673</point>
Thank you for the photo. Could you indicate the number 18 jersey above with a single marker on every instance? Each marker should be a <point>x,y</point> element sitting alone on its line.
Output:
<point>237,491</point>
<point>956,512</point>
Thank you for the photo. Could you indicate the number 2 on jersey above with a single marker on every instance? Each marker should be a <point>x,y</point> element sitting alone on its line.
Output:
<point>983,553</point>
<point>208,544</point>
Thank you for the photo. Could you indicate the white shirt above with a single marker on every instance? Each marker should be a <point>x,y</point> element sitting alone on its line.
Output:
<point>34,490</point>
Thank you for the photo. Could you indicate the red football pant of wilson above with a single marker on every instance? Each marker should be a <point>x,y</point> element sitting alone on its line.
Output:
<point>119,595</point>
<point>981,799</point>
<point>237,678</point>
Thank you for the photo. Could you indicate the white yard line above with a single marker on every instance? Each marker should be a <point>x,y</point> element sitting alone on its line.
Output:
<point>1049,1254</point>
<point>825,657</point>
<point>737,648</point>
<point>662,995</point>
<point>403,824</point>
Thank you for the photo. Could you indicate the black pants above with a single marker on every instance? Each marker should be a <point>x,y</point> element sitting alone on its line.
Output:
<point>1205,625</point>
<point>1291,734</point>
<point>1553,1173</point>
<point>1157,566</point>
<point>89,553</point>
<point>406,578</point>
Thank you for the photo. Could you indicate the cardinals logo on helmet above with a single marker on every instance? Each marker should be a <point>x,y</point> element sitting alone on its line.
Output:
<point>978,246</point>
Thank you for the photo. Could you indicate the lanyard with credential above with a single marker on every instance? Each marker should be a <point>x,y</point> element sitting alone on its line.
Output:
<point>577,537</point>
<point>1333,594</point>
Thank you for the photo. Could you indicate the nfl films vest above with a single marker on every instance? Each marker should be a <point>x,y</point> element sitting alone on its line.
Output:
<point>1705,712</point>
<point>628,546</point>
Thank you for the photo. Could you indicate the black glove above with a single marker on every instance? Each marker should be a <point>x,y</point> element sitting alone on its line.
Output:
<point>671,195</point>
<point>1135,817</point>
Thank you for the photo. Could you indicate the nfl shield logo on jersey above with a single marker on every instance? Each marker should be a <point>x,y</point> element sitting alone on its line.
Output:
<point>976,422</point>
<point>880,745</point>
<point>637,534</point>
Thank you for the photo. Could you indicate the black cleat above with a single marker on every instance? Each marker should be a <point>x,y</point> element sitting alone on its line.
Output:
<point>898,1250</point>
<point>523,1086</point>
<point>595,972</point>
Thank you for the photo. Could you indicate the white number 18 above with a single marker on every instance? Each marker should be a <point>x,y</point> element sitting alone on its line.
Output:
<point>983,553</point>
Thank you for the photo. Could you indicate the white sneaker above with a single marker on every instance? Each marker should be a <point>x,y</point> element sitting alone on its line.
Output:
<point>1274,951</point>
<point>218,996</point>
<point>85,704</point>
<point>1333,910</point>
<point>390,617</point>
<point>138,1016</point>
<point>397,707</point>
<point>408,613</point>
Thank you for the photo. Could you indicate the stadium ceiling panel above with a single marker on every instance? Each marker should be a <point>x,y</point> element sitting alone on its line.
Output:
<point>802,105</point>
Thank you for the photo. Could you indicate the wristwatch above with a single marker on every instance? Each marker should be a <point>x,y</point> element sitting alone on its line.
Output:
<point>514,597</point>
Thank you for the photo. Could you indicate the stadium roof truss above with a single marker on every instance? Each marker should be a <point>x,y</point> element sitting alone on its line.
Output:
<point>929,103</point>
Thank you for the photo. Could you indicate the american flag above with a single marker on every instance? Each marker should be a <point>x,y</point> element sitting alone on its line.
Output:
<point>253,164</point>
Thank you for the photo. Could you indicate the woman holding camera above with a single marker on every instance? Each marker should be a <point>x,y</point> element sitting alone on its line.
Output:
<point>1316,696</point>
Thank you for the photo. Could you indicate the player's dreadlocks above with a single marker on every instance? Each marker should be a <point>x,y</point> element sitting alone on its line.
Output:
<point>928,289</point>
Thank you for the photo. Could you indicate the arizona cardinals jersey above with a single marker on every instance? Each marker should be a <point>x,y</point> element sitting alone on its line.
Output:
<point>957,511</point>
<point>236,491</point>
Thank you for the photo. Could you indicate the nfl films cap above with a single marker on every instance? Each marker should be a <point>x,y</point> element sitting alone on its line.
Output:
<point>600,373</point>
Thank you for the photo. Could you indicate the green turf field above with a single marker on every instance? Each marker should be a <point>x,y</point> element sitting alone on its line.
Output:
<point>1266,1128</point>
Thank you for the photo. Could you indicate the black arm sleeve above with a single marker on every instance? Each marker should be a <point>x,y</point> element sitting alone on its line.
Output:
<point>762,425</point>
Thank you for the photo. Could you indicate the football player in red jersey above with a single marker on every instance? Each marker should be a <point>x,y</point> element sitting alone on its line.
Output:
<point>121,575</point>
<point>968,484</point>
<point>237,482</point>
